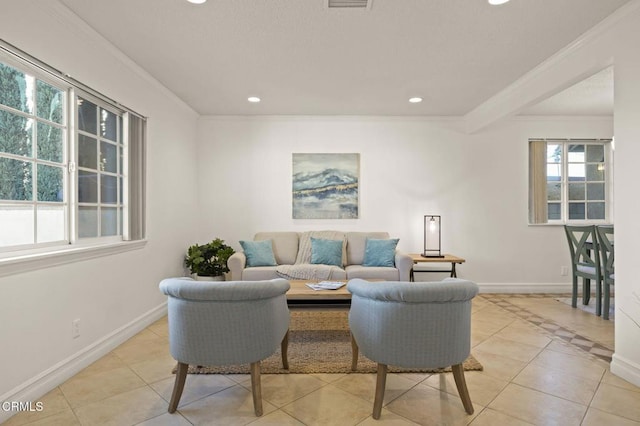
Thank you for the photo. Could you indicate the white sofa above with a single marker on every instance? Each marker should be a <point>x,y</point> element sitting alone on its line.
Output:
<point>285,250</point>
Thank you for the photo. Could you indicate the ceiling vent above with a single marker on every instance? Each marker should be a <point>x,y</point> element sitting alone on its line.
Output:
<point>349,4</point>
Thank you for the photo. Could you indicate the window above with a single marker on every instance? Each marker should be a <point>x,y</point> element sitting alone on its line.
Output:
<point>71,162</point>
<point>570,180</point>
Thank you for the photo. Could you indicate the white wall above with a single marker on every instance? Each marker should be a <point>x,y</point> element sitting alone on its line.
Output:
<point>36,308</point>
<point>408,167</point>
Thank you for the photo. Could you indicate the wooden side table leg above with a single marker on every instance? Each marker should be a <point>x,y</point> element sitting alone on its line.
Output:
<point>453,270</point>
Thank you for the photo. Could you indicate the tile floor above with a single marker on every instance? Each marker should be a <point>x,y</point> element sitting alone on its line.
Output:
<point>544,364</point>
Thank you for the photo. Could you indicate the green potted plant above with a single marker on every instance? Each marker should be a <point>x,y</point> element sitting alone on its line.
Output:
<point>208,261</point>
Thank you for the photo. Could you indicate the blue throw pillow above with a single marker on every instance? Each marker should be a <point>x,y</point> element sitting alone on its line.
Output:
<point>326,252</point>
<point>259,253</point>
<point>380,252</point>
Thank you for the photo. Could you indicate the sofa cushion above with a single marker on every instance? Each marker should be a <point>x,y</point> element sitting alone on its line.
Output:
<point>304,250</point>
<point>372,273</point>
<point>260,273</point>
<point>285,245</point>
<point>380,252</point>
<point>326,252</point>
<point>258,253</point>
<point>356,244</point>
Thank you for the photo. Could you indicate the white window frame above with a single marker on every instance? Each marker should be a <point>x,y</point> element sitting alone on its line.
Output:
<point>16,259</point>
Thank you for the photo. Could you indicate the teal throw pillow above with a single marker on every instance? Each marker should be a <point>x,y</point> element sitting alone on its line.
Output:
<point>259,253</point>
<point>380,252</point>
<point>326,252</point>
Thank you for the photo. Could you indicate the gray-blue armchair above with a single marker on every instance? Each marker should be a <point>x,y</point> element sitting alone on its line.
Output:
<point>221,323</point>
<point>416,324</point>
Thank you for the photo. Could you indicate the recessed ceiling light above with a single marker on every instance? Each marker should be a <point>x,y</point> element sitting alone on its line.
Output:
<point>253,99</point>
<point>497,2</point>
<point>415,100</point>
<point>196,1</point>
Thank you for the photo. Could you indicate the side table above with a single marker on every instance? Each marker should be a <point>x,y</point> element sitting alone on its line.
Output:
<point>448,258</point>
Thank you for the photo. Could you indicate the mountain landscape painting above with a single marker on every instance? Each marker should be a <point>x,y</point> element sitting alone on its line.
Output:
<point>325,186</point>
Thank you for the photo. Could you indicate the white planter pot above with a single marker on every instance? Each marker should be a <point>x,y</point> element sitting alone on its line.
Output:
<point>201,278</point>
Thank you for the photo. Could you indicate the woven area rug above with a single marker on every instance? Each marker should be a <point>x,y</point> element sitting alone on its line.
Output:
<point>319,342</point>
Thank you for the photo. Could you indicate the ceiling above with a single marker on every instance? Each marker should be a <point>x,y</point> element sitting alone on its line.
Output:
<point>302,58</point>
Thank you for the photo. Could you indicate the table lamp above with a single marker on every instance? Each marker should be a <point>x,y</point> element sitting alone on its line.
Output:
<point>432,236</point>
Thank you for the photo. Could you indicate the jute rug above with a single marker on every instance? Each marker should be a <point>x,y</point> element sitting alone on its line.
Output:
<point>319,342</point>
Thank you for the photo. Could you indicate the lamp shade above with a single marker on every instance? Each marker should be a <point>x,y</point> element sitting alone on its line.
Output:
<point>432,236</point>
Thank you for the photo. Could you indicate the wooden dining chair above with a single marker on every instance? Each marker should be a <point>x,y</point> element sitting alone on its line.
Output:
<point>605,242</point>
<point>585,263</point>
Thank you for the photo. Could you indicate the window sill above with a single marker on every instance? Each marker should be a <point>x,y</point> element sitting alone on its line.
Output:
<point>60,256</point>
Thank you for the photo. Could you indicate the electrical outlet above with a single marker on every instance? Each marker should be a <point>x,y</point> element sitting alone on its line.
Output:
<point>75,328</point>
<point>564,271</point>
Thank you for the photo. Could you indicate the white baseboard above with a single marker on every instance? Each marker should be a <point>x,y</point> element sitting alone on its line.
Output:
<point>524,288</point>
<point>48,380</point>
<point>626,369</point>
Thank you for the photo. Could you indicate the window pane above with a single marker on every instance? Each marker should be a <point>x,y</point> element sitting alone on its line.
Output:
<point>595,153</point>
<point>109,221</point>
<point>576,211</point>
<point>49,102</point>
<point>50,183</point>
<point>50,143</point>
<point>16,89</point>
<point>108,125</point>
<point>108,157</point>
<point>553,192</point>
<point>576,191</point>
<point>108,189</point>
<point>595,191</point>
<point>595,172</point>
<point>87,116</point>
<point>87,152</point>
<point>553,211</point>
<point>15,134</point>
<point>16,179</point>
<point>87,222</point>
<point>554,153</point>
<point>554,171</point>
<point>576,172</point>
<point>16,225</point>
<point>595,210</point>
<point>87,187</point>
<point>51,223</point>
<point>576,153</point>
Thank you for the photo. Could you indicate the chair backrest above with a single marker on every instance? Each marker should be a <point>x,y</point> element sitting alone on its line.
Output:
<point>607,253</point>
<point>412,324</point>
<point>229,322</point>
<point>583,246</point>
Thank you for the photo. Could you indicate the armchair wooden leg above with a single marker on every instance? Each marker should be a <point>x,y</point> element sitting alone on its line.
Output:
<point>381,383</point>
<point>178,386</point>
<point>461,384</point>
<point>284,347</point>
<point>256,389</point>
<point>354,354</point>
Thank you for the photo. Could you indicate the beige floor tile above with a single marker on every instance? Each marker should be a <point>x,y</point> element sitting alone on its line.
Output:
<point>499,366</point>
<point>619,401</point>
<point>277,418</point>
<point>596,417</point>
<point>154,368</point>
<point>558,383</point>
<point>364,386</point>
<point>232,406</point>
<point>329,405</point>
<point>196,387</point>
<point>613,380</point>
<point>80,391</point>
<point>281,389</point>
<point>387,418</point>
<point>62,418</point>
<point>508,348</point>
<point>482,388</point>
<point>428,406</point>
<point>537,407</point>
<point>106,363</point>
<point>478,337</point>
<point>328,377</point>
<point>134,352</point>
<point>571,364</point>
<point>166,419</point>
<point>160,327</point>
<point>53,403</point>
<point>128,408</point>
<point>523,332</point>
<point>566,348</point>
<point>489,417</point>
